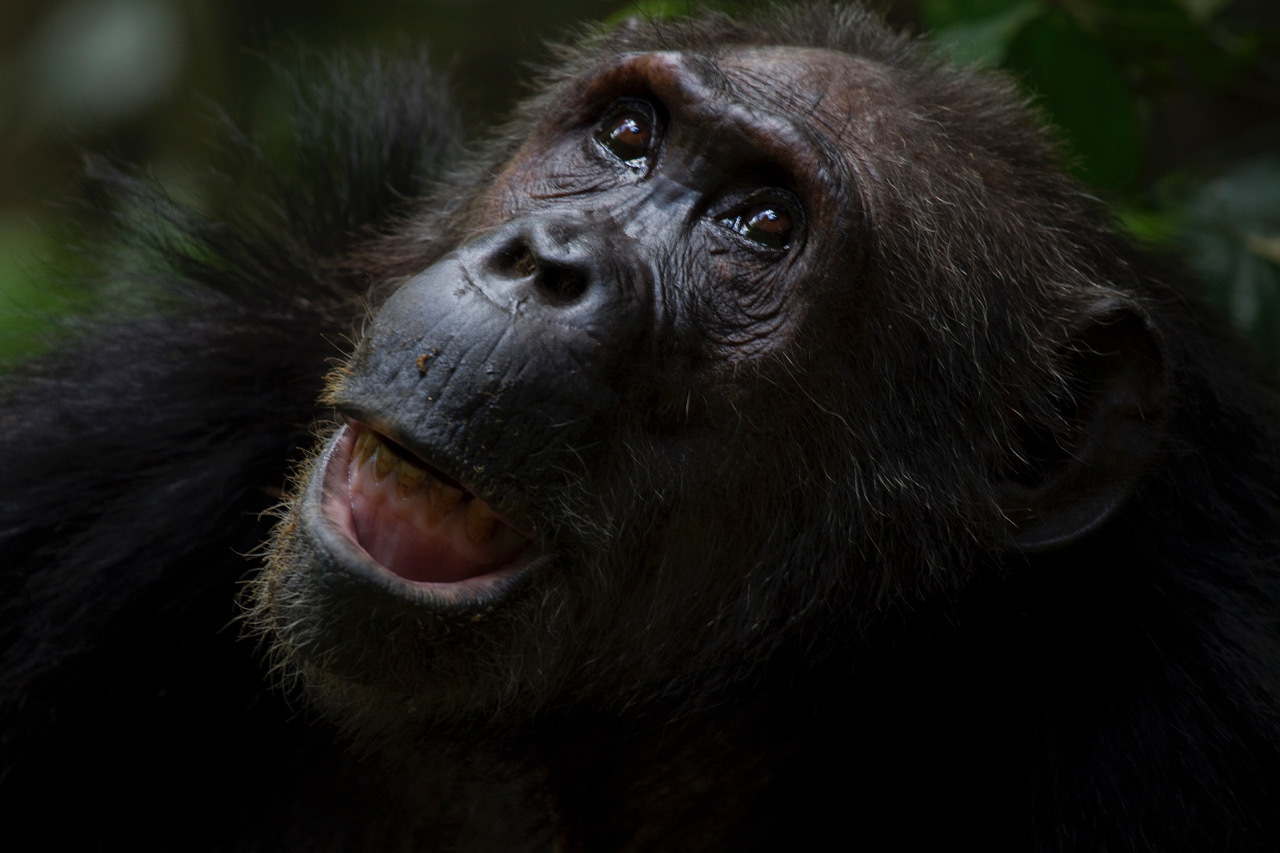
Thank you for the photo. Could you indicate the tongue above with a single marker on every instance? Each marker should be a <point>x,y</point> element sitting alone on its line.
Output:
<point>419,527</point>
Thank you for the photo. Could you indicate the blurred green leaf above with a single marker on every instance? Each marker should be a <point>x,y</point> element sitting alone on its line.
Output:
<point>1202,10</point>
<point>940,14</point>
<point>1232,235</point>
<point>1084,93</point>
<point>1159,40</point>
<point>1162,227</point>
<point>986,40</point>
<point>656,9</point>
<point>28,296</point>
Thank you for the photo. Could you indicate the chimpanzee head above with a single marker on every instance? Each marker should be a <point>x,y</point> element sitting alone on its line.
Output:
<point>740,339</point>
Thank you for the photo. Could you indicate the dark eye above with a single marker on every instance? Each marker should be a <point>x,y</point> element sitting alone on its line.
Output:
<point>628,134</point>
<point>769,223</point>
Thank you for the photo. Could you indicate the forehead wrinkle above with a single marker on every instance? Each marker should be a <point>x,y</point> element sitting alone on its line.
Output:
<point>754,83</point>
<point>812,108</point>
<point>829,95</point>
<point>829,87</point>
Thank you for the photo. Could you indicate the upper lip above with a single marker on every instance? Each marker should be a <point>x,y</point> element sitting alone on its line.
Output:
<point>403,450</point>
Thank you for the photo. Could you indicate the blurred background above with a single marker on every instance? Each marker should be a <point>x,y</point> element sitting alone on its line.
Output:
<point>1170,108</point>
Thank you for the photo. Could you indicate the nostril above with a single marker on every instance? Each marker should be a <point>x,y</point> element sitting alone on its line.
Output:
<point>557,281</point>
<point>561,284</point>
<point>525,264</point>
<point>515,260</point>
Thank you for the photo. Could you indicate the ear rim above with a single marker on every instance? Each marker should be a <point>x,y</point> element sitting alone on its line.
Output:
<point>1117,354</point>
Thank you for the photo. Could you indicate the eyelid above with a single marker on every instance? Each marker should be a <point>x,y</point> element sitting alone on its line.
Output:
<point>733,207</point>
<point>640,106</point>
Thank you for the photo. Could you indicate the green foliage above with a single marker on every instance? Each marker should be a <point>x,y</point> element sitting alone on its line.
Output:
<point>25,289</point>
<point>1084,92</point>
<point>1232,234</point>
<point>979,32</point>
<point>659,9</point>
<point>1100,70</point>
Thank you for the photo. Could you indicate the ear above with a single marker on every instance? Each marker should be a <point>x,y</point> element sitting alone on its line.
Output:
<point>1114,411</point>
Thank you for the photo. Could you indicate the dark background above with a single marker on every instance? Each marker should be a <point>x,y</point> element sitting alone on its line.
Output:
<point>1170,108</point>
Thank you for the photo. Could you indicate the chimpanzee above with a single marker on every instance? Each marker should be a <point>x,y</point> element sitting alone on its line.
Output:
<point>759,445</point>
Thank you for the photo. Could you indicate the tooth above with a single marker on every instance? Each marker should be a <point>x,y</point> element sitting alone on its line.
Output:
<point>408,478</point>
<point>481,522</point>
<point>364,447</point>
<point>440,499</point>
<point>384,461</point>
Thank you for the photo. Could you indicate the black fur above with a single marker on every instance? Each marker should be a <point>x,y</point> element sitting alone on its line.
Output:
<point>930,685</point>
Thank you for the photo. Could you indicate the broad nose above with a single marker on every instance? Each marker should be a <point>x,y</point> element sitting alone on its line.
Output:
<point>549,263</point>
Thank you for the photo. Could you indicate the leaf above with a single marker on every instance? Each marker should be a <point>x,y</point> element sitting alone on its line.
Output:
<point>1232,237</point>
<point>986,40</point>
<point>29,293</point>
<point>659,9</point>
<point>1084,94</point>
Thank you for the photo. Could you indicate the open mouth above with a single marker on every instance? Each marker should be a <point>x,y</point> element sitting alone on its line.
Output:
<point>414,521</point>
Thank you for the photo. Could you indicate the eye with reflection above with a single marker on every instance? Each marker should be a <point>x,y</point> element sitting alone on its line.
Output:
<point>769,223</point>
<point>628,133</point>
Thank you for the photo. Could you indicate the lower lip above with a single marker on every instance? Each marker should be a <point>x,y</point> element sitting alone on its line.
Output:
<point>328,500</point>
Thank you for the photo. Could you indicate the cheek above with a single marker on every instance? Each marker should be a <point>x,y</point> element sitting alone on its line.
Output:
<point>748,308</point>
